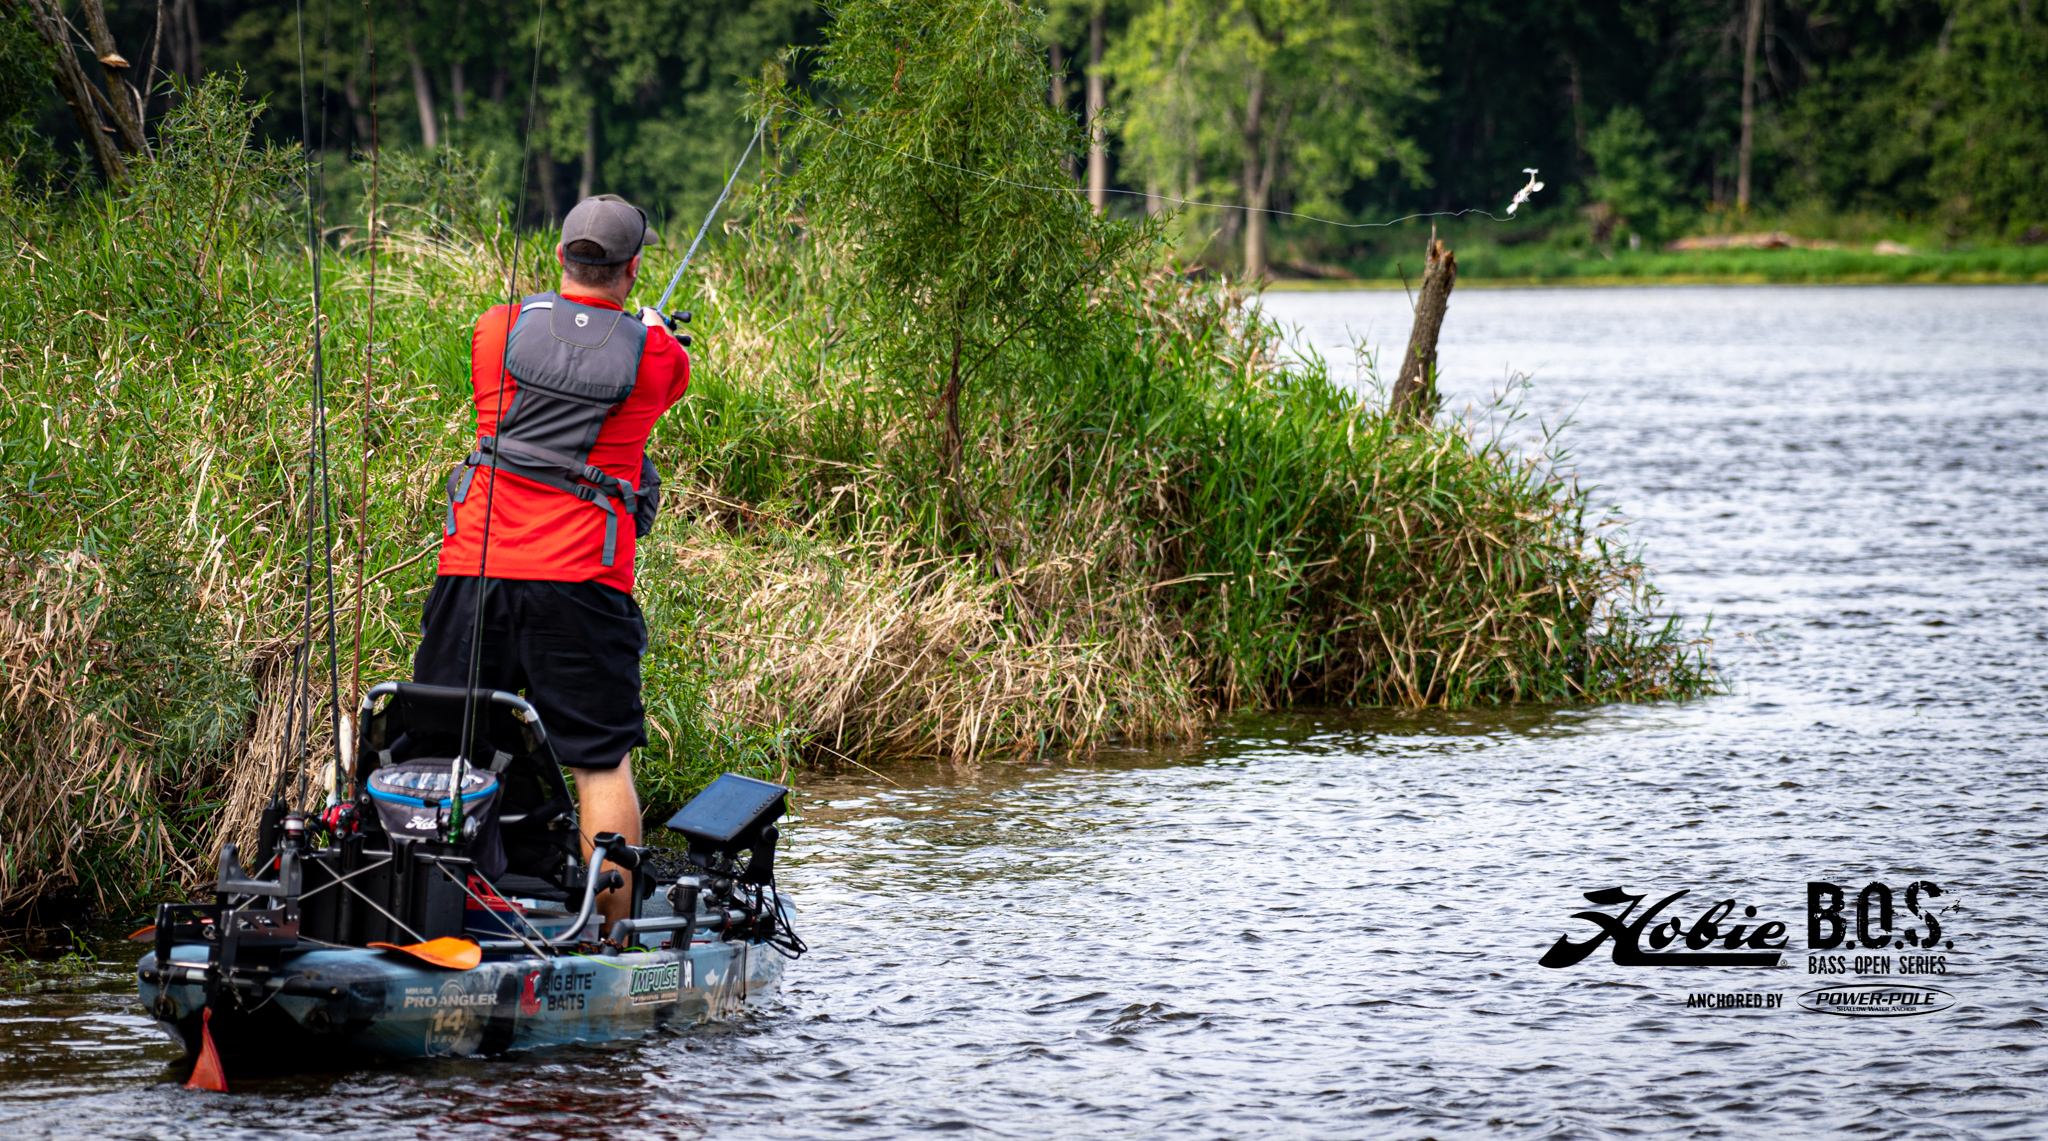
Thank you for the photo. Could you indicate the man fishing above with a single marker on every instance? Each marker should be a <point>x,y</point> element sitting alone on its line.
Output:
<point>567,388</point>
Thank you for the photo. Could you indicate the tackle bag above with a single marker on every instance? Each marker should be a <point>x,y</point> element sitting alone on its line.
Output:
<point>412,803</point>
<point>649,504</point>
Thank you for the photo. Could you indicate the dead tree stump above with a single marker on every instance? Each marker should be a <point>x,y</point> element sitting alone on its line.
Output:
<point>1415,389</point>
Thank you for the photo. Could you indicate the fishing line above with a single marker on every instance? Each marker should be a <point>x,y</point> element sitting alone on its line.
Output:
<point>1146,194</point>
<point>662,305</point>
<point>483,582</point>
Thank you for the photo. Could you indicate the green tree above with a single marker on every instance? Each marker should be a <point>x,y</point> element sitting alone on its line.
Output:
<point>1985,84</point>
<point>645,100</point>
<point>1262,97</point>
<point>24,83</point>
<point>933,153</point>
<point>1633,173</point>
<point>1926,107</point>
<point>649,98</point>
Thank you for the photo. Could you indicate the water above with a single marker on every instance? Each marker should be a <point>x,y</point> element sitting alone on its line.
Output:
<point>1329,925</point>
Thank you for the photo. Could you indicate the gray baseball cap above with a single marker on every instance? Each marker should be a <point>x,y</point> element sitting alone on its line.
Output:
<point>617,226</point>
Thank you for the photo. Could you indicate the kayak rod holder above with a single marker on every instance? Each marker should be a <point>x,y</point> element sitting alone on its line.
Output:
<point>624,929</point>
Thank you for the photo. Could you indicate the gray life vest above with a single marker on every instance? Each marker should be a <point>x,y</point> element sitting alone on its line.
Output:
<point>575,365</point>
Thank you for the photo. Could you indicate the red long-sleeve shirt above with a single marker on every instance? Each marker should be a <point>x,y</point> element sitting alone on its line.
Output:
<point>538,532</point>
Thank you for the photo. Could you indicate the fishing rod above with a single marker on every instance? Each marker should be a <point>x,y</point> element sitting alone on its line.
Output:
<point>458,768</point>
<point>319,493</point>
<point>676,278</point>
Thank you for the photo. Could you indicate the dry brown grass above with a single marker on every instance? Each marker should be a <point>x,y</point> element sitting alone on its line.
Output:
<point>272,749</point>
<point>69,773</point>
<point>869,652</point>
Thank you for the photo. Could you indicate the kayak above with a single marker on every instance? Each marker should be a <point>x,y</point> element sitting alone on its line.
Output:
<point>325,1006</point>
<point>447,909</point>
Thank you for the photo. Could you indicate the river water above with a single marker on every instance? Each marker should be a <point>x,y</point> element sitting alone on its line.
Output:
<point>1329,925</point>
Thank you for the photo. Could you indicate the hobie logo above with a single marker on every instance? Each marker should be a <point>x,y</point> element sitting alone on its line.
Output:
<point>1876,1001</point>
<point>1744,944</point>
<point>1879,931</point>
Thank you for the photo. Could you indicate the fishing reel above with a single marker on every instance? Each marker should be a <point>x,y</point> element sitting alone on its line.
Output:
<point>337,821</point>
<point>650,316</point>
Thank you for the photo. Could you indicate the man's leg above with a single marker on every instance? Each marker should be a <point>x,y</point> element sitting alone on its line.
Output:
<point>607,802</point>
<point>581,648</point>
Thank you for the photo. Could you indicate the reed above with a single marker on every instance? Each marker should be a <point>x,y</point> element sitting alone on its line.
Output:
<point>1159,516</point>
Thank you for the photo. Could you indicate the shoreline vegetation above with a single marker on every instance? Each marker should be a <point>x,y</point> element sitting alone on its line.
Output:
<point>1129,510</point>
<point>1746,267</point>
<point>1558,250</point>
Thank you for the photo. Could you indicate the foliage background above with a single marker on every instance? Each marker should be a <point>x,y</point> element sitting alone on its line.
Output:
<point>1916,119</point>
<point>1147,510</point>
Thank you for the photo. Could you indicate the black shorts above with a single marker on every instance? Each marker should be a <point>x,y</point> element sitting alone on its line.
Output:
<point>572,648</point>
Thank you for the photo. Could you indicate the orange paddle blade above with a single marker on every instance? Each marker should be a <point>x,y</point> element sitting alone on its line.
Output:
<point>144,935</point>
<point>207,1073</point>
<point>454,954</point>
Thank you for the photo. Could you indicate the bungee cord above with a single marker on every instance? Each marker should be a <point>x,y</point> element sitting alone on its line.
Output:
<point>1169,199</point>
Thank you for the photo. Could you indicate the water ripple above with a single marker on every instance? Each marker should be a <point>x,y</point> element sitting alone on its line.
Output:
<point>1327,925</point>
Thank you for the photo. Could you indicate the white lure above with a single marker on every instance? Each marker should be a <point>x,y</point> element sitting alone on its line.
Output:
<point>1525,193</point>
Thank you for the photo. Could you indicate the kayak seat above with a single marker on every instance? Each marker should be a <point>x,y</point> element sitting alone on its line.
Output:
<point>404,721</point>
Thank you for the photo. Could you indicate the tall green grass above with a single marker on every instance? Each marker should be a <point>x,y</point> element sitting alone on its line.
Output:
<point>1163,515</point>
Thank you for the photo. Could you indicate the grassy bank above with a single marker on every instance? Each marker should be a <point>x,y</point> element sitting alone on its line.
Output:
<point>1159,516</point>
<point>1490,263</point>
<point>1559,247</point>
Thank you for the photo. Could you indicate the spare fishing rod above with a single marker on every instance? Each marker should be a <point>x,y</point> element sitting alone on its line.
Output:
<point>457,768</point>
<point>320,492</point>
<point>338,719</point>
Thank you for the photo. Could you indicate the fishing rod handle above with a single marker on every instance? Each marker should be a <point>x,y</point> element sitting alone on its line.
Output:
<point>653,319</point>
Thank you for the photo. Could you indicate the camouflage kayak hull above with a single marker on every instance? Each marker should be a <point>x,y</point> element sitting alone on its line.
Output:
<point>333,1005</point>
